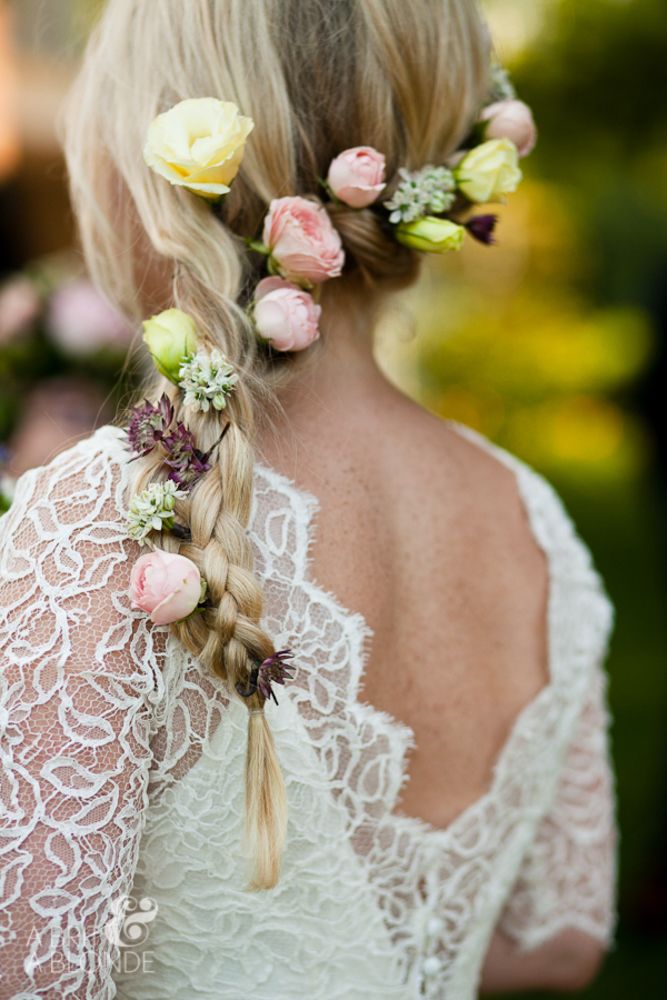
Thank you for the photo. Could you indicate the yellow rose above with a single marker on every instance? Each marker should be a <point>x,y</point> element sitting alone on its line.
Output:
<point>489,171</point>
<point>430,234</point>
<point>171,337</point>
<point>198,144</point>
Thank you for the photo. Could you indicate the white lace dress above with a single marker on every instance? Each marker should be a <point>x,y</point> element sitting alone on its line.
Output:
<point>122,760</point>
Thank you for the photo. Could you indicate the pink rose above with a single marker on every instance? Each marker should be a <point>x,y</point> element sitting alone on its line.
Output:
<point>356,176</point>
<point>166,586</point>
<point>285,315</point>
<point>303,243</point>
<point>511,120</point>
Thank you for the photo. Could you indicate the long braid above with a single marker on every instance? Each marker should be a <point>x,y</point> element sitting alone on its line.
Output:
<point>227,636</point>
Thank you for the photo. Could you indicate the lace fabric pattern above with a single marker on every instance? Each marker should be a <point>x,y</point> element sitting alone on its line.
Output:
<point>147,753</point>
<point>80,683</point>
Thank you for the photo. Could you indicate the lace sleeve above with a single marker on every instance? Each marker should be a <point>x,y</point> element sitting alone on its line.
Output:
<point>80,680</point>
<point>568,879</point>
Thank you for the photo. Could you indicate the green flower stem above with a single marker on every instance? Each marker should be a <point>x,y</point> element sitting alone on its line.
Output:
<point>257,246</point>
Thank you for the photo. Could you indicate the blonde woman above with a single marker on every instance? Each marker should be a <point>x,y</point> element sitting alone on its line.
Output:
<point>317,708</point>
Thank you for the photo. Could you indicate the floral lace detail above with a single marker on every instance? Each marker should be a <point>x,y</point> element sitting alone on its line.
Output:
<point>564,879</point>
<point>81,682</point>
<point>371,903</point>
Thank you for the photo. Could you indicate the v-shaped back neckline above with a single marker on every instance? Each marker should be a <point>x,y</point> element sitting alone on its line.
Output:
<point>405,732</point>
<point>576,597</point>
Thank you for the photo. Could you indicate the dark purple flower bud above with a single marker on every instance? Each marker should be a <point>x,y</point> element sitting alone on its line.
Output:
<point>482,227</point>
<point>181,531</point>
<point>274,670</point>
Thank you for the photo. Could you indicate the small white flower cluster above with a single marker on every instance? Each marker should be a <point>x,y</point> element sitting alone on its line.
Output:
<point>150,509</point>
<point>431,190</point>
<point>207,379</point>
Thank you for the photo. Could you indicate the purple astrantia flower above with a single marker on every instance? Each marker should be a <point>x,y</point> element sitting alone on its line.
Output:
<point>187,462</point>
<point>482,227</point>
<point>149,424</point>
<point>273,670</point>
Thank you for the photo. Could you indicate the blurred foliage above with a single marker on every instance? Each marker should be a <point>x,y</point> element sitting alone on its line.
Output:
<point>596,79</point>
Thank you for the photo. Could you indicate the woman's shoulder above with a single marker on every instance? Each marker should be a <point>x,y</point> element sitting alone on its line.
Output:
<point>579,601</point>
<point>550,520</point>
<point>450,457</point>
<point>499,495</point>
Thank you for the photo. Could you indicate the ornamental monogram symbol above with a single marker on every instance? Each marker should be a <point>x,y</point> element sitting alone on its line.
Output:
<point>130,924</point>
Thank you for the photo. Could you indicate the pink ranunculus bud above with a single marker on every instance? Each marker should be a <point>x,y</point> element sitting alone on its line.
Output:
<point>285,315</point>
<point>302,241</point>
<point>80,320</point>
<point>511,120</point>
<point>356,176</point>
<point>166,586</point>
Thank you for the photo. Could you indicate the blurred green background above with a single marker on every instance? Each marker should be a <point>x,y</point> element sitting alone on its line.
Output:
<point>552,343</point>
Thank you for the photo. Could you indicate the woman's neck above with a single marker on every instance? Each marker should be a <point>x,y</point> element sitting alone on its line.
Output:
<point>335,389</point>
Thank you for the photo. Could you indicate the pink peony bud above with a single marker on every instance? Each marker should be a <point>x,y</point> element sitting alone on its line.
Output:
<point>511,120</point>
<point>302,241</point>
<point>166,586</point>
<point>356,176</point>
<point>285,315</point>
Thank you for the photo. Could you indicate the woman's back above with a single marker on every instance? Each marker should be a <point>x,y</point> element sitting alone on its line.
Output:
<point>427,536</point>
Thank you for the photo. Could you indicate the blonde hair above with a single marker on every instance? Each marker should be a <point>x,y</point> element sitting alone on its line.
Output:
<point>317,77</point>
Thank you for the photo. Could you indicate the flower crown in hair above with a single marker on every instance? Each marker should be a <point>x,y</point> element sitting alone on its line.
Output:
<point>199,143</point>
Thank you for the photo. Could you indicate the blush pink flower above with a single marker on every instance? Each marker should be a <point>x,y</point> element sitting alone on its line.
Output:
<point>302,241</point>
<point>19,307</point>
<point>286,315</point>
<point>166,586</point>
<point>356,176</point>
<point>80,320</point>
<point>511,120</point>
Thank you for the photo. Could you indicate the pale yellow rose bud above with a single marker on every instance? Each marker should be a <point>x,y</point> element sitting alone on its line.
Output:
<point>198,144</point>
<point>430,234</point>
<point>490,171</point>
<point>171,337</point>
